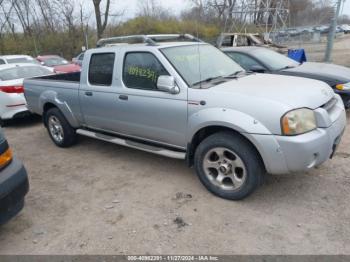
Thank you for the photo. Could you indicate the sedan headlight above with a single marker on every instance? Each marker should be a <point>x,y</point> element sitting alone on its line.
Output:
<point>343,86</point>
<point>298,122</point>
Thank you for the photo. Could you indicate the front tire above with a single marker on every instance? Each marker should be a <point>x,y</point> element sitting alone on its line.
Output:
<point>228,166</point>
<point>60,131</point>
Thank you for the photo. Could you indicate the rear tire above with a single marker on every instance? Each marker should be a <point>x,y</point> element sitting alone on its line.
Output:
<point>228,166</point>
<point>60,131</point>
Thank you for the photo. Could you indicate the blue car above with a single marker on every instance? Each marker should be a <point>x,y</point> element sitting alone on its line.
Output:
<point>13,182</point>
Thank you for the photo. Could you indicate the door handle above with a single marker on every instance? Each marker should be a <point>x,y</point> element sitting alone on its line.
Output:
<point>123,97</point>
<point>88,93</point>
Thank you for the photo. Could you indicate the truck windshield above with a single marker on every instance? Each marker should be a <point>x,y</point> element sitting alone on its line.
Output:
<point>196,63</point>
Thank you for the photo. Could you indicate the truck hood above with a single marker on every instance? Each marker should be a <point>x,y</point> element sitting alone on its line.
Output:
<point>339,74</point>
<point>294,92</point>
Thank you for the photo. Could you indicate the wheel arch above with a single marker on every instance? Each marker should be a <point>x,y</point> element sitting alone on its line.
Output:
<point>206,131</point>
<point>50,100</point>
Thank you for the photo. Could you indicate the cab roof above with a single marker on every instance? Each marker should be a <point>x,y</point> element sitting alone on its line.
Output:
<point>146,46</point>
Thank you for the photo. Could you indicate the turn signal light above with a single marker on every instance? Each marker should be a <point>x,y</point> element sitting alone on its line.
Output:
<point>5,158</point>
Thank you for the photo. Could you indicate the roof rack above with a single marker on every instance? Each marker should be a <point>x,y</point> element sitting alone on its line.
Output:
<point>147,39</point>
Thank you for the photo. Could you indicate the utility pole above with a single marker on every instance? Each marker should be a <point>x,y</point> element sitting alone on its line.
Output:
<point>332,32</point>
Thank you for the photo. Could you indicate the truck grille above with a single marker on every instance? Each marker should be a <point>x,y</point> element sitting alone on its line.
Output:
<point>334,108</point>
<point>329,106</point>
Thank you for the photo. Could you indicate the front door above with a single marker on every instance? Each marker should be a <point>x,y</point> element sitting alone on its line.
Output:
<point>145,111</point>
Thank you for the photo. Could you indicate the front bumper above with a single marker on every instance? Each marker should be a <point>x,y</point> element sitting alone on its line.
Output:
<point>289,154</point>
<point>13,188</point>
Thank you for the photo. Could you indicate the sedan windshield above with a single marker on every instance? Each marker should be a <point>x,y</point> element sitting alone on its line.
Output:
<point>55,61</point>
<point>197,63</point>
<point>273,59</point>
<point>23,72</point>
<point>22,60</point>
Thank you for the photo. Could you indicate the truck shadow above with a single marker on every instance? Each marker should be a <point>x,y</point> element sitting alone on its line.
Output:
<point>27,121</point>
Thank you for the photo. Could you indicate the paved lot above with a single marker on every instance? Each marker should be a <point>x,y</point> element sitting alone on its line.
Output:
<point>99,198</point>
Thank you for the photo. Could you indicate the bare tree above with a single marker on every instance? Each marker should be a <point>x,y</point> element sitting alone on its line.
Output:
<point>152,8</point>
<point>6,9</point>
<point>101,25</point>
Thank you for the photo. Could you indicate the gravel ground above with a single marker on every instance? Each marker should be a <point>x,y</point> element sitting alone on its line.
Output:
<point>99,198</point>
<point>316,51</point>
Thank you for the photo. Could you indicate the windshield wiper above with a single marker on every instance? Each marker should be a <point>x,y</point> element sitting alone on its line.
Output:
<point>287,67</point>
<point>236,74</point>
<point>207,80</point>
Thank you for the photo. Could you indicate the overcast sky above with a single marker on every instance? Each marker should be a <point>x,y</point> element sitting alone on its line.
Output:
<point>346,8</point>
<point>176,6</point>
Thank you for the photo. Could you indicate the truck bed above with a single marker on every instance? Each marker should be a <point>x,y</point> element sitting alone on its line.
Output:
<point>64,87</point>
<point>68,77</point>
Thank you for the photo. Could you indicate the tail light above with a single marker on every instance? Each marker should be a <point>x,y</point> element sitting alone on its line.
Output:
<point>12,89</point>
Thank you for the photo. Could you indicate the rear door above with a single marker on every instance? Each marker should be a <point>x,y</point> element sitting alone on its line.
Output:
<point>97,93</point>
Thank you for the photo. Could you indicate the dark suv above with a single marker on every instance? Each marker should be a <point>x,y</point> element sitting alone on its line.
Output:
<point>13,182</point>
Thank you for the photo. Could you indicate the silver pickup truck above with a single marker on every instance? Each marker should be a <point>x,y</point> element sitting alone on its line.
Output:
<point>188,100</point>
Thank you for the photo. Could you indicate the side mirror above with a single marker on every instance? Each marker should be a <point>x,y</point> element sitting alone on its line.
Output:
<point>167,84</point>
<point>257,69</point>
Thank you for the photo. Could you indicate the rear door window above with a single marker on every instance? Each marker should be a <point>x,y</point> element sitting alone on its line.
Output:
<point>141,70</point>
<point>101,69</point>
<point>2,62</point>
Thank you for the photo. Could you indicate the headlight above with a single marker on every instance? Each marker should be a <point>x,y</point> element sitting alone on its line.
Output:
<point>343,86</point>
<point>298,122</point>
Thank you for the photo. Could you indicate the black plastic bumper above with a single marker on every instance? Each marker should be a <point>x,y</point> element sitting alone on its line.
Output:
<point>13,188</point>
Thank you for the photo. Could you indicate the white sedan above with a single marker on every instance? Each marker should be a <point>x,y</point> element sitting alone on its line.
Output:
<point>16,59</point>
<point>12,101</point>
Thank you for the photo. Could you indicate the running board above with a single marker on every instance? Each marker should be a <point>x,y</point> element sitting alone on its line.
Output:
<point>132,144</point>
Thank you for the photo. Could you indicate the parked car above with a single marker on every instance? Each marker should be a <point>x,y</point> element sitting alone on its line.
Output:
<point>248,39</point>
<point>263,60</point>
<point>12,101</point>
<point>323,29</point>
<point>59,64</point>
<point>188,100</point>
<point>345,28</point>
<point>17,59</point>
<point>13,182</point>
<point>78,60</point>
